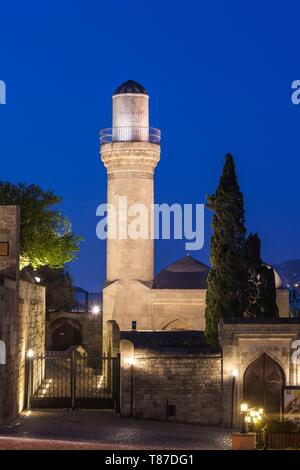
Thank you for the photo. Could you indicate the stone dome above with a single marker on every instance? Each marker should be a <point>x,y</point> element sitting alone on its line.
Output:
<point>278,280</point>
<point>130,87</point>
<point>186,273</point>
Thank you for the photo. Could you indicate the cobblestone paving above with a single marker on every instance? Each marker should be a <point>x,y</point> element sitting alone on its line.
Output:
<point>98,429</point>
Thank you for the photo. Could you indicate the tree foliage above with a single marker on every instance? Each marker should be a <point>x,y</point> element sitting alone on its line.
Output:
<point>60,292</point>
<point>46,235</point>
<point>240,284</point>
<point>227,281</point>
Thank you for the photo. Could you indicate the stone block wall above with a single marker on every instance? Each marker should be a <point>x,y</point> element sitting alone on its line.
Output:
<point>191,382</point>
<point>22,327</point>
<point>9,233</point>
<point>22,318</point>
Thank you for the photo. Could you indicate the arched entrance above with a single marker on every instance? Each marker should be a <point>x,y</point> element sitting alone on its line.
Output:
<point>65,335</point>
<point>262,385</point>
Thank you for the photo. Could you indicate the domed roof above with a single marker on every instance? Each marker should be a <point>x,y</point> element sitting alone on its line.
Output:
<point>130,87</point>
<point>186,273</point>
<point>278,280</point>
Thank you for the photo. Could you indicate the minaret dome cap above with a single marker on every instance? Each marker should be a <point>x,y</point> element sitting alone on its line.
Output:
<point>130,87</point>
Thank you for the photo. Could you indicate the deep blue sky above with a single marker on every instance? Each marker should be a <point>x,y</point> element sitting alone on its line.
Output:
<point>219,76</point>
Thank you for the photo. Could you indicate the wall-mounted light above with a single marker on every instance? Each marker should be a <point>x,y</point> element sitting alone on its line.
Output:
<point>37,279</point>
<point>130,361</point>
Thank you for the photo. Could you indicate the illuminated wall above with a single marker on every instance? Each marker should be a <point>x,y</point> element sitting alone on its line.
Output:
<point>22,319</point>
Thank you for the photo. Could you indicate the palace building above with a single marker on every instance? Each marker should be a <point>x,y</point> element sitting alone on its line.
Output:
<point>155,361</point>
<point>157,321</point>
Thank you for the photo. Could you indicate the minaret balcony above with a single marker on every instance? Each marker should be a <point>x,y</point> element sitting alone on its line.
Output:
<point>130,134</point>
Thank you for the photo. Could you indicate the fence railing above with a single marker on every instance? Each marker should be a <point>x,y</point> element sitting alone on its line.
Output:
<point>130,134</point>
<point>283,440</point>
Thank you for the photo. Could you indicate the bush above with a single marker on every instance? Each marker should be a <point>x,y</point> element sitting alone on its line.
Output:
<point>282,426</point>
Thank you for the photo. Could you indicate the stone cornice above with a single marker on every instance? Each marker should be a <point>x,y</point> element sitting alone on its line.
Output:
<point>130,159</point>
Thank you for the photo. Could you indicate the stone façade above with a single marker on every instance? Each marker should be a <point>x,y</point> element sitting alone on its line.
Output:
<point>22,319</point>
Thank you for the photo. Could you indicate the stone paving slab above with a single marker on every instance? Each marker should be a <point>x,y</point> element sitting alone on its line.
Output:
<point>21,443</point>
<point>50,429</point>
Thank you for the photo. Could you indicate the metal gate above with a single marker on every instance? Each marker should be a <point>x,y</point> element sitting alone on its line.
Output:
<point>55,380</point>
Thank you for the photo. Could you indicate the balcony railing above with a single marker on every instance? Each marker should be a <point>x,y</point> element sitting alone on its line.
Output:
<point>130,134</point>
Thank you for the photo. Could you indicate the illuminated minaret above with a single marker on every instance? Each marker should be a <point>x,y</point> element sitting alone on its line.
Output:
<point>130,152</point>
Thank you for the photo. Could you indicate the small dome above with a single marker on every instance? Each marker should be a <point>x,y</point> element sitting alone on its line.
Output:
<point>278,280</point>
<point>130,87</point>
<point>186,273</point>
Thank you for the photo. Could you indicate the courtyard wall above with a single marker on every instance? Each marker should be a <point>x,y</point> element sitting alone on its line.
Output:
<point>22,327</point>
<point>22,318</point>
<point>192,381</point>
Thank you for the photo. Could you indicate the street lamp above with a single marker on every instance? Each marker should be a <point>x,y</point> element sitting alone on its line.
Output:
<point>96,309</point>
<point>234,374</point>
<point>244,409</point>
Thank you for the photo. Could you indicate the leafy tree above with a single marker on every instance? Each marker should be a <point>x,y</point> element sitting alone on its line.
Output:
<point>261,283</point>
<point>227,281</point>
<point>60,292</point>
<point>46,235</point>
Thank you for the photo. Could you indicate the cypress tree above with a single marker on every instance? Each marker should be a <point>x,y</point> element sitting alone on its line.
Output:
<point>227,280</point>
<point>261,283</point>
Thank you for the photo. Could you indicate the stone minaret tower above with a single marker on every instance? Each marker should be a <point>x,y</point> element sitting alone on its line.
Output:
<point>130,152</point>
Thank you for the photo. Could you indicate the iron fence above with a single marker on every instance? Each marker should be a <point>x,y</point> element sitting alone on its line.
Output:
<point>74,381</point>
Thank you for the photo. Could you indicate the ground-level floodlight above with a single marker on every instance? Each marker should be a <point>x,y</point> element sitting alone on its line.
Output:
<point>30,353</point>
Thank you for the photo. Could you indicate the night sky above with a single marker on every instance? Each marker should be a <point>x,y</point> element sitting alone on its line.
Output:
<point>219,77</point>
